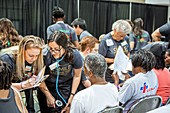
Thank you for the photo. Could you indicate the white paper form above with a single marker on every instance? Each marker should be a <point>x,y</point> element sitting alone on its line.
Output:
<point>120,63</point>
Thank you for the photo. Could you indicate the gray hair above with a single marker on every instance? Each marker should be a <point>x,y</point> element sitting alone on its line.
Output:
<point>122,26</point>
<point>96,63</point>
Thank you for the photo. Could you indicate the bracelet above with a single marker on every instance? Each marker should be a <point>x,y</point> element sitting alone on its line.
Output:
<point>72,94</point>
<point>21,86</point>
<point>117,86</point>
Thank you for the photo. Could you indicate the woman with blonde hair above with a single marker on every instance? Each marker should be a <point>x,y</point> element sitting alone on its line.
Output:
<point>8,35</point>
<point>25,60</point>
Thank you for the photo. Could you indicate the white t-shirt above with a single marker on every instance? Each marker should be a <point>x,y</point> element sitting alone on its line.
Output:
<point>95,99</point>
<point>137,87</point>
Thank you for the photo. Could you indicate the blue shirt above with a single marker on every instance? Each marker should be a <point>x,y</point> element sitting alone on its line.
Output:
<point>108,48</point>
<point>65,74</point>
<point>61,26</point>
<point>165,31</point>
<point>84,34</point>
<point>140,42</point>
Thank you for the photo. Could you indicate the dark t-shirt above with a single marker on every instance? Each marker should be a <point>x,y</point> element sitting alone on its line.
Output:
<point>165,31</point>
<point>83,78</point>
<point>61,26</point>
<point>84,34</point>
<point>8,105</point>
<point>140,42</point>
<point>108,48</point>
<point>11,61</point>
<point>65,74</point>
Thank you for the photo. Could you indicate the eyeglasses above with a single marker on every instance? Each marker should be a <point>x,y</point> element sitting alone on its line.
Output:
<point>55,50</point>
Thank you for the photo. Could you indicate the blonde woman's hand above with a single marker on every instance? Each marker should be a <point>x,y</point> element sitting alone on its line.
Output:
<point>32,80</point>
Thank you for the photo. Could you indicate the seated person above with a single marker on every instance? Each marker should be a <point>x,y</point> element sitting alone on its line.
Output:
<point>167,59</point>
<point>101,94</point>
<point>144,82</point>
<point>10,98</point>
<point>162,72</point>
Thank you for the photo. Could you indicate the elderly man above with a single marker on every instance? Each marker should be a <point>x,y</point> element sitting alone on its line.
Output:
<point>101,94</point>
<point>111,41</point>
<point>144,82</point>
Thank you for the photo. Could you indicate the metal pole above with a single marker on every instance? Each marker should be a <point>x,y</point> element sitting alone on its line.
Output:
<point>78,3</point>
<point>130,11</point>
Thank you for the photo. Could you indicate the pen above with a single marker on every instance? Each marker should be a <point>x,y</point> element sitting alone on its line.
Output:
<point>27,75</point>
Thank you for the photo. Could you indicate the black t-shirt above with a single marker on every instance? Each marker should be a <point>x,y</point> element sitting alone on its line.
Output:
<point>65,74</point>
<point>11,61</point>
<point>165,31</point>
<point>8,105</point>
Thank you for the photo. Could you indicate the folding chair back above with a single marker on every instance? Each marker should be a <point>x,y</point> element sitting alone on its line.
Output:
<point>168,101</point>
<point>146,104</point>
<point>116,109</point>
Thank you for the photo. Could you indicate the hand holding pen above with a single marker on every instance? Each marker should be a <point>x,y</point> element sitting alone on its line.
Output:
<point>30,82</point>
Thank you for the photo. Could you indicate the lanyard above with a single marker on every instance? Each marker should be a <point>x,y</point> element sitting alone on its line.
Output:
<point>57,79</point>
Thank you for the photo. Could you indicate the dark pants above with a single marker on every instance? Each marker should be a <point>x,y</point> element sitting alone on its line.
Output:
<point>43,104</point>
<point>29,100</point>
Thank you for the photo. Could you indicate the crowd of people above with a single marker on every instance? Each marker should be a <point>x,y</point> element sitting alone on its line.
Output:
<point>80,80</point>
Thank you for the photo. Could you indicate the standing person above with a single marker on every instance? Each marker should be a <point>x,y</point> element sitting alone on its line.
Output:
<point>164,30</point>
<point>26,61</point>
<point>8,35</point>
<point>139,37</point>
<point>10,98</point>
<point>144,82</point>
<point>58,17</point>
<point>162,72</point>
<point>64,64</point>
<point>111,41</point>
<point>101,94</point>
<point>89,44</point>
<point>80,27</point>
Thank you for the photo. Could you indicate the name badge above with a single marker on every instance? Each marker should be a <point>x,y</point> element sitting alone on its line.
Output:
<point>109,42</point>
<point>28,68</point>
<point>124,43</point>
<point>53,66</point>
